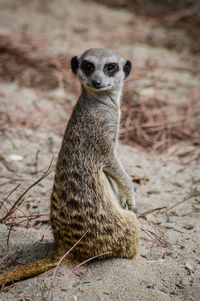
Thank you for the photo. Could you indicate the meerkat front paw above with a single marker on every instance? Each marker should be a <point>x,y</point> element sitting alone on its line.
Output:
<point>122,201</point>
<point>131,203</point>
<point>128,204</point>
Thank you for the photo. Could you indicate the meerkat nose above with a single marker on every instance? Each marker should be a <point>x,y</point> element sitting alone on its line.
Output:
<point>96,83</point>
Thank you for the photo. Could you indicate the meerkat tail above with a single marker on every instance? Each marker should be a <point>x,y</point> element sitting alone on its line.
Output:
<point>27,271</point>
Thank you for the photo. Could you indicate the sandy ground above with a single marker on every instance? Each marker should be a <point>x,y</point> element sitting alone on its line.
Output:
<point>168,267</point>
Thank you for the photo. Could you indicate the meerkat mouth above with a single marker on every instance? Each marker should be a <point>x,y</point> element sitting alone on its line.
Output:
<point>99,89</point>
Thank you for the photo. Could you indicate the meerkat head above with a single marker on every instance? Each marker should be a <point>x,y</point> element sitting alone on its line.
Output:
<point>100,69</point>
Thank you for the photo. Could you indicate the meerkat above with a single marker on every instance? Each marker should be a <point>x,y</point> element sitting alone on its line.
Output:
<point>91,188</point>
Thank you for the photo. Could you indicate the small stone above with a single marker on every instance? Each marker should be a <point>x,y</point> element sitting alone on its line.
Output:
<point>15,158</point>
<point>189,267</point>
<point>188,227</point>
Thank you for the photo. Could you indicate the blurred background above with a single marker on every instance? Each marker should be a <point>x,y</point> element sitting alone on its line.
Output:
<point>162,39</point>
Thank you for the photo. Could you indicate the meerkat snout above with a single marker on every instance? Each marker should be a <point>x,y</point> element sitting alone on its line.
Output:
<point>100,69</point>
<point>96,83</point>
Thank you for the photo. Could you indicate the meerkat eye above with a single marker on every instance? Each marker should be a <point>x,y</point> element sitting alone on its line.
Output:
<point>87,67</point>
<point>111,68</point>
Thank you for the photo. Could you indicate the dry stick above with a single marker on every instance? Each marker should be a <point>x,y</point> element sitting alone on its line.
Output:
<point>4,258</point>
<point>62,258</point>
<point>86,261</point>
<point>29,298</point>
<point>147,232</point>
<point>153,235</point>
<point>151,211</point>
<point>189,257</point>
<point>172,228</point>
<point>6,288</point>
<point>89,259</point>
<point>29,219</point>
<point>7,164</point>
<point>76,267</point>
<point>9,194</point>
<point>8,237</point>
<point>12,217</point>
<point>36,161</point>
<point>21,198</point>
<point>17,222</point>
<point>157,239</point>
<point>184,200</point>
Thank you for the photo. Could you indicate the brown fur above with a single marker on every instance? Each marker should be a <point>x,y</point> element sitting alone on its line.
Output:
<point>83,198</point>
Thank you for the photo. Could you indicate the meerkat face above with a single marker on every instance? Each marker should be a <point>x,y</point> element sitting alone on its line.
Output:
<point>100,69</point>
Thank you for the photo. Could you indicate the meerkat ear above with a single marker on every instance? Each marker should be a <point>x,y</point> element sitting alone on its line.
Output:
<point>127,68</point>
<point>74,64</point>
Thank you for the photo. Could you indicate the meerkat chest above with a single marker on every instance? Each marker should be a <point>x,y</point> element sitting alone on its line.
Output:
<point>118,118</point>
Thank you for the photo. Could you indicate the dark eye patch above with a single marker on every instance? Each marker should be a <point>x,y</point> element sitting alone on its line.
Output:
<point>111,68</point>
<point>87,67</point>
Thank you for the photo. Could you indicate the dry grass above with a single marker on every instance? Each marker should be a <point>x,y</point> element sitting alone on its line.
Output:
<point>180,14</point>
<point>146,122</point>
<point>8,212</point>
<point>157,125</point>
<point>23,59</point>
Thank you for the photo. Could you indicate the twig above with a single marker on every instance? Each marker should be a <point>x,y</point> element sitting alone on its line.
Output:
<point>151,211</point>
<point>172,228</point>
<point>4,258</point>
<point>148,233</point>
<point>184,200</point>
<point>6,209</point>
<point>10,194</point>
<point>86,261</point>
<point>188,257</point>
<point>29,298</point>
<point>36,161</point>
<point>62,258</point>
<point>89,259</point>
<point>7,164</point>
<point>157,239</point>
<point>9,234</point>
<point>21,198</point>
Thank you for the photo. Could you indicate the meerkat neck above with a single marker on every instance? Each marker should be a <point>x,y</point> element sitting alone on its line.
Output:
<point>109,98</point>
